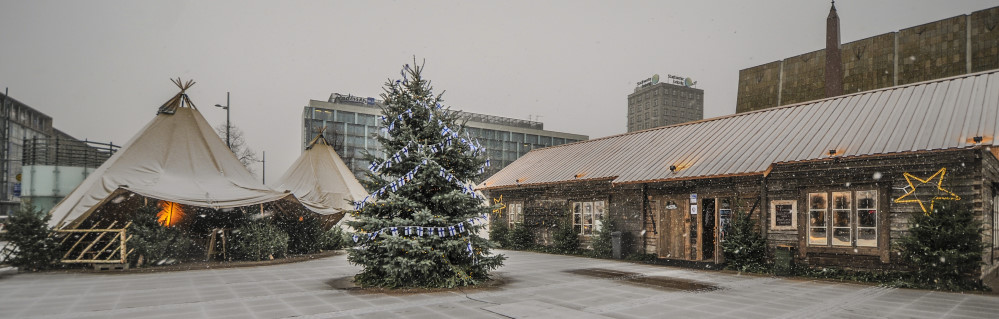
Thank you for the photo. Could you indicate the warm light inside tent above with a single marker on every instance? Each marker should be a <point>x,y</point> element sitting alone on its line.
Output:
<point>170,213</point>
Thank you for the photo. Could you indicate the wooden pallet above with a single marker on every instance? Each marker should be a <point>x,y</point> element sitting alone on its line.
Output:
<point>110,267</point>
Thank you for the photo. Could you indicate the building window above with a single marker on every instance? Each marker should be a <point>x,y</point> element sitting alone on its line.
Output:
<point>995,217</point>
<point>515,213</point>
<point>586,216</point>
<point>849,219</point>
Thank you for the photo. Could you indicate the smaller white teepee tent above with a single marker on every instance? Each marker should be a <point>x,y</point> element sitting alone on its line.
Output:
<point>321,181</point>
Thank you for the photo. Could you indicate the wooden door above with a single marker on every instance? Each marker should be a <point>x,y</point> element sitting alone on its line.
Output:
<point>673,221</point>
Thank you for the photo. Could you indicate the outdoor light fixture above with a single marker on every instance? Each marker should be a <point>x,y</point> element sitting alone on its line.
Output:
<point>832,152</point>
<point>977,139</point>
<point>672,168</point>
<point>170,213</point>
<point>226,108</point>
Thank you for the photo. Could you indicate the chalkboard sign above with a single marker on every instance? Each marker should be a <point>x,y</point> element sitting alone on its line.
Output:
<point>782,215</point>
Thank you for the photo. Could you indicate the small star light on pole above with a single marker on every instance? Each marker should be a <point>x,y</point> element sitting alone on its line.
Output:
<point>915,183</point>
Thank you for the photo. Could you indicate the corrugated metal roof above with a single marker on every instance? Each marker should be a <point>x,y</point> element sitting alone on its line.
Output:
<point>933,115</point>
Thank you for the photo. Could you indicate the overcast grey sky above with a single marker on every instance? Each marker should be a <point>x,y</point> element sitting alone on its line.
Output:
<point>101,68</point>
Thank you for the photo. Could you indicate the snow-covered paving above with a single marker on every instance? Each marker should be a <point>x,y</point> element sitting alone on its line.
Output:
<point>536,286</point>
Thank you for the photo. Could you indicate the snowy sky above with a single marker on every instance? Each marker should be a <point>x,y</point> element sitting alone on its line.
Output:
<point>101,68</point>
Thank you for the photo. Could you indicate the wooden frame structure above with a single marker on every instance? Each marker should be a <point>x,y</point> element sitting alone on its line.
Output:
<point>112,243</point>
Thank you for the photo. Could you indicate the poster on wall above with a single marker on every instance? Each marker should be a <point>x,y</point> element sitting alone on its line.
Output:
<point>693,209</point>
<point>724,219</point>
<point>783,215</point>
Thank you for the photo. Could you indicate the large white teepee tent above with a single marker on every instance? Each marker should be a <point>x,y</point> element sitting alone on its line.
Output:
<point>176,157</point>
<point>321,181</point>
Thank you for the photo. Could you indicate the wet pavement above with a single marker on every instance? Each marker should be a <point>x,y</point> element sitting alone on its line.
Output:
<point>531,285</point>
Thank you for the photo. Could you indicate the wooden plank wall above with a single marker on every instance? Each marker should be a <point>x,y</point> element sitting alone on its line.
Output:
<point>990,183</point>
<point>971,174</point>
<point>886,174</point>
<point>743,190</point>
<point>624,203</point>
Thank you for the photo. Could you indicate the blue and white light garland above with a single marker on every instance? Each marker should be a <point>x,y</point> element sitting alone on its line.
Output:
<point>422,231</point>
<point>467,189</point>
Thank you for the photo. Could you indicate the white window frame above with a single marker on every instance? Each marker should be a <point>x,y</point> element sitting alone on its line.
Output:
<point>995,218</point>
<point>515,213</point>
<point>773,214</point>
<point>833,223</point>
<point>586,216</point>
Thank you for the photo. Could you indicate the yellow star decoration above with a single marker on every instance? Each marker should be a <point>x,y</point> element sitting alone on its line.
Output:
<point>499,201</point>
<point>939,175</point>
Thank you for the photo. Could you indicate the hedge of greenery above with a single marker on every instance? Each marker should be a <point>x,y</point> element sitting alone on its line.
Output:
<point>259,241</point>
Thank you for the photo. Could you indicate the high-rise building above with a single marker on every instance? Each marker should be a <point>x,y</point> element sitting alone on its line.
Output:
<point>964,44</point>
<point>655,103</point>
<point>352,124</point>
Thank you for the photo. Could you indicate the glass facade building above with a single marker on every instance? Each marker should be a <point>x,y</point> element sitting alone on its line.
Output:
<point>354,120</point>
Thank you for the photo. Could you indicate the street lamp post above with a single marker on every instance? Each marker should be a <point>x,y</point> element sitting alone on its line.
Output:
<point>226,108</point>
<point>263,163</point>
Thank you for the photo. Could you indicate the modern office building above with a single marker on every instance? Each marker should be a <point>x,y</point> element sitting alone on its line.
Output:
<point>32,148</point>
<point>353,119</point>
<point>655,103</point>
<point>963,44</point>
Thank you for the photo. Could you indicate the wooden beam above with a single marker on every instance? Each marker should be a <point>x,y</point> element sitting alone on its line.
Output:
<point>77,243</point>
<point>91,245</point>
<point>123,252</point>
<point>211,245</point>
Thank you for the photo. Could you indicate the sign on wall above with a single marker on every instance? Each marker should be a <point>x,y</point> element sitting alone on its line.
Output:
<point>783,215</point>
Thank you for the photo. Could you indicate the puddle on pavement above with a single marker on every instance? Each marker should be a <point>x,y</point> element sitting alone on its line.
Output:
<point>660,282</point>
<point>347,284</point>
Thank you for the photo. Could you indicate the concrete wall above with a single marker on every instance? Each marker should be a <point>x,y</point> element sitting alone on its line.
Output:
<point>949,47</point>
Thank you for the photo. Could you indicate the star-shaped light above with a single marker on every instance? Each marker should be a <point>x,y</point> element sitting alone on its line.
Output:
<point>916,182</point>
<point>499,201</point>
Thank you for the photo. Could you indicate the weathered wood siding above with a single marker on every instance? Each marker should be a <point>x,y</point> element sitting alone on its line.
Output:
<point>886,175</point>
<point>744,191</point>
<point>972,174</point>
<point>624,203</point>
<point>990,185</point>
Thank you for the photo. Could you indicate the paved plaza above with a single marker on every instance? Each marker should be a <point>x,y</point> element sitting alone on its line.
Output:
<point>534,286</point>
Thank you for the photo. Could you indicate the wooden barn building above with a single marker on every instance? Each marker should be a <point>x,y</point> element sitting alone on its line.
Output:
<point>835,179</point>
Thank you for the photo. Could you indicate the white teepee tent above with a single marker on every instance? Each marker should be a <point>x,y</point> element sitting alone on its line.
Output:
<point>321,181</point>
<point>176,157</point>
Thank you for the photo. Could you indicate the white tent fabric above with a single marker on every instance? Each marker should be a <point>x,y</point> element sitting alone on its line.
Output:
<point>321,181</point>
<point>176,157</point>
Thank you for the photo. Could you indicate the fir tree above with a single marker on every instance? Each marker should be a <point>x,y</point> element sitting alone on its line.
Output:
<point>416,228</point>
<point>944,248</point>
<point>154,243</point>
<point>744,247</point>
<point>566,240</point>
<point>29,232</point>
<point>601,239</point>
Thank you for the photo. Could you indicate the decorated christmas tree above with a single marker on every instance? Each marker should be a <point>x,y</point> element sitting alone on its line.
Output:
<point>418,227</point>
